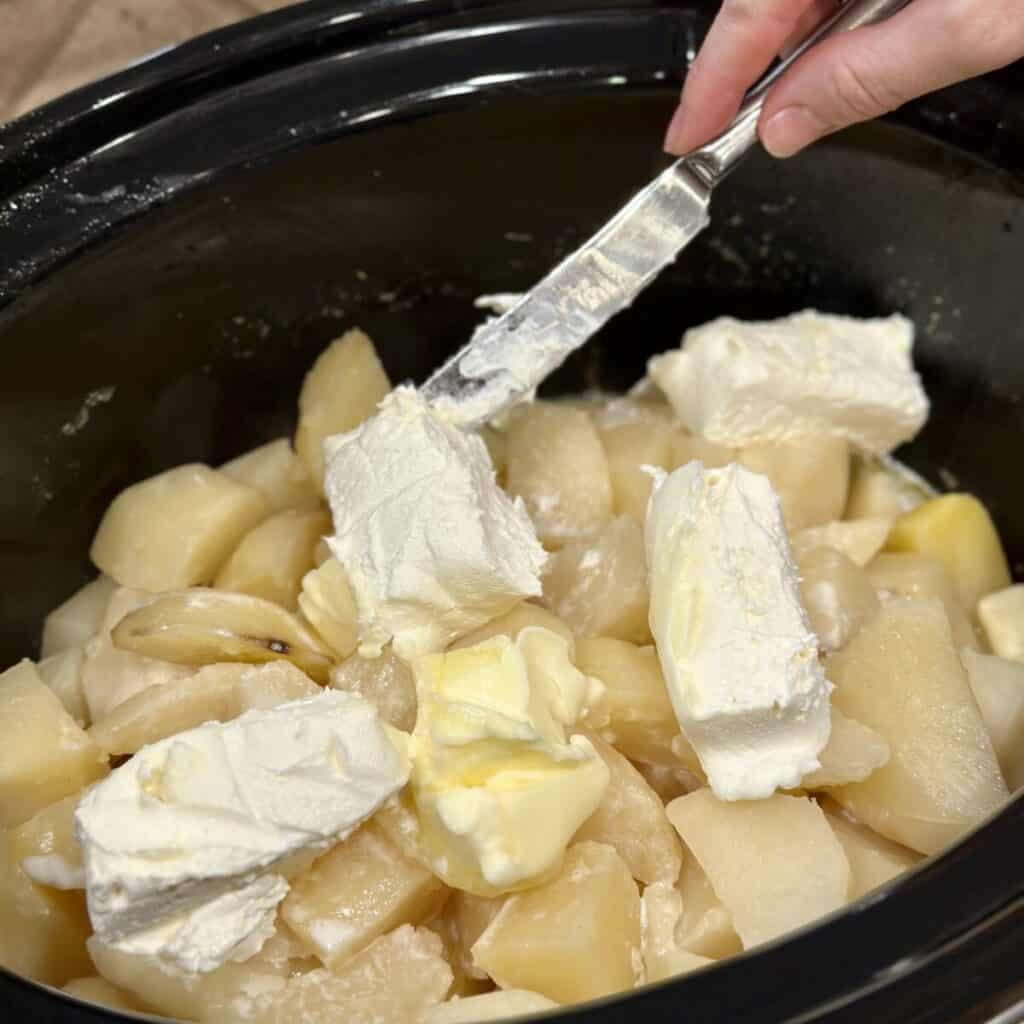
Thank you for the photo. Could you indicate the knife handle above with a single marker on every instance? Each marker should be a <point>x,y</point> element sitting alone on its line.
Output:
<point>714,160</point>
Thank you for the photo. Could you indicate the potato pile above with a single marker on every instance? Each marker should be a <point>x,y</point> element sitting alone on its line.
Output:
<point>217,595</point>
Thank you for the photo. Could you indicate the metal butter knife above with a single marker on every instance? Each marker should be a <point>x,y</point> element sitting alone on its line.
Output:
<point>508,357</point>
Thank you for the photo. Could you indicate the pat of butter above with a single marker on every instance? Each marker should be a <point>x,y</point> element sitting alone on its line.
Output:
<point>735,645</point>
<point>499,783</point>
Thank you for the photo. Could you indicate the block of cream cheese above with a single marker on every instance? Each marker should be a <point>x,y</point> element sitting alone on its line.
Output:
<point>499,782</point>
<point>737,383</point>
<point>185,844</point>
<point>738,655</point>
<point>432,546</point>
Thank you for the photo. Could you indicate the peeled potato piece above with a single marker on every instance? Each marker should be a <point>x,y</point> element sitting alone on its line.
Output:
<point>216,693</point>
<point>667,781</point>
<point>176,529</point>
<point>631,819</point>
<point>363,887</point>
<point>636,712</point>
<point>395,979</point>
<point>78,619</point>
<point>663,956</point>
<point>705,927</point>
<point>998,687</point>
<point>62,673</point>
<point>920,576</point>
<point>811,476</point>
<point>900,676</point>
<point>599,586</point>
<point>837,595</point>
<point>276,472</point>
<point>44,755</point>
<point>557,465</point>
<point>852,753</point>
<point>386,682</point>
<point>858,539</point>
<point>342,389</point>
<point>873,859</point>
<point>469,916</point>
<point>200,627</point>
<point>46,849</point>
<point>957,530</point>
<point>42,930</point>
<point>1002,617</point>
<point>687,447</point>
<point>272,558</point>
<point>327,601</point>
<point>513,1002</point>
<point>511,624</point>
<point>775,863</point>
<point>575,938</point>
<point>883,488</point>
<point>99,991</point>
<point>634,435</point>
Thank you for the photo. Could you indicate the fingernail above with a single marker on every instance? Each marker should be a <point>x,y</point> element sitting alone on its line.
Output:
<point>675,137</point>
<point>790,130</point>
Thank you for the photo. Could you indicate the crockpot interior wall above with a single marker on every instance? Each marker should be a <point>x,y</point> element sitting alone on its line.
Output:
<point>187,336</point>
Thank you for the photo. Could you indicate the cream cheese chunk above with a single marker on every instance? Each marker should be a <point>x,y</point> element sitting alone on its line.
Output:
<point>184,845</point>
<point>432,546</point>
<point>499,781</point>
<point>739,658</point>
<point>737,383</point>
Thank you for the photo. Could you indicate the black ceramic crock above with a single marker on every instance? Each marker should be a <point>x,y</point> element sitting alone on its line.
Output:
<point>179,241</point>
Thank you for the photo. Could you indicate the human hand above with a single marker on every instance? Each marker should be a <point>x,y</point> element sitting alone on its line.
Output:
<point>854,76</point>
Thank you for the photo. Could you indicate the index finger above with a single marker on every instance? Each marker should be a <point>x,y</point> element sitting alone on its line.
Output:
<point>744,38</point>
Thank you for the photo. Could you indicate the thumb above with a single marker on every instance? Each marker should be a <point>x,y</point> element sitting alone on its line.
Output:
<point>863,74</point>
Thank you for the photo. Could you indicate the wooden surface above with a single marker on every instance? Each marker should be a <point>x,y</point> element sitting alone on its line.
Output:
<point>50,46</point>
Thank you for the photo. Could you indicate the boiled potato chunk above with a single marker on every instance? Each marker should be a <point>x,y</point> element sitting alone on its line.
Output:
<point>599,586</point>
<point>62,673</point>
<point>497,449</point>
<point>276,472</point>
<point>859,539</point>
<point>394,980</point>
<point>513,1002</point>
<point>918,576</point>
<point>110,675</point>
<point>873,859</point>
<point>176,529</point>
<point>216,693</point>
<point>557,465</point>
<point>42,930</point>
<point>883,488</point>
<point>957,530</point>
<point>810,474</point>
<point>386,682</point>
<point>342,389</point>
<point>327,601</point>
<point>852,753</point>
<point>775,864</point>
<point>46,848</point>
<point>663,956</point>
<point>631,819</point>
<point>272,559</point>
<point>78,619</point>
<point>201,627</point>
<point>362,888</point>
<point>837,596</point>
<point>469,916</point>
<point>705,927</point>
<point>1002,617</point>
<point>998,687</point>
<point>900,676</point>
<point>669,781</point>
<point>640,721</point>
<point>512,623</point>
<point>634,435</point>
<point>99,991</point>
<point>575,938</point>
<point>44,755</point>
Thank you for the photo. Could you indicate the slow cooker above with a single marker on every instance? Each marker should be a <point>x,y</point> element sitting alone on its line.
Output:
<point>182,239</point>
